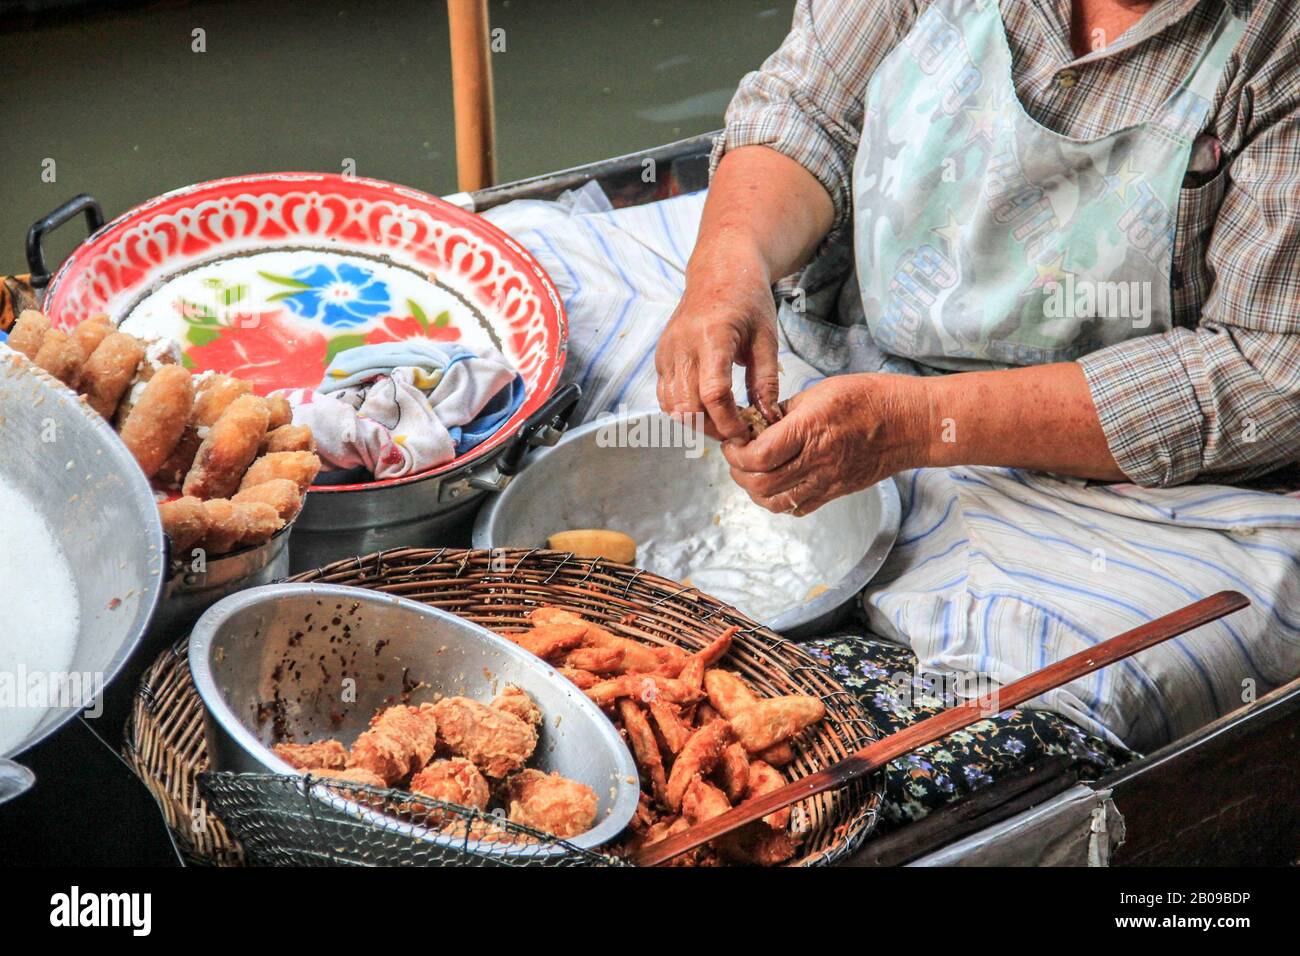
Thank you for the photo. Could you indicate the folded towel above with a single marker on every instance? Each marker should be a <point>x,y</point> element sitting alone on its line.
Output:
<point>401,408</point>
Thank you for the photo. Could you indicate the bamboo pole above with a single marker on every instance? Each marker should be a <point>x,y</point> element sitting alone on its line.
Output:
<point>471,83</point>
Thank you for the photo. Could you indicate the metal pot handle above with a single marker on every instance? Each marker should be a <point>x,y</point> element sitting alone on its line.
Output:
<point>544,427</point>
<point>85,203</point>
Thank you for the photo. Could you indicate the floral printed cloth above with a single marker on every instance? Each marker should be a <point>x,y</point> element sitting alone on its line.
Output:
<point>883,676</point>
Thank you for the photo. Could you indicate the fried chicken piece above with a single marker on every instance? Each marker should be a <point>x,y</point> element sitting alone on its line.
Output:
<point>215,393</point>
<point>729,694</point>
<point>549,640</point>
<point>61,356</point>
<point>673,731</point>
<point>771,721</point>
<point>597,660</point>
<point>280,493</point>
<point>644,748</point>
<point>733,771</point>
<point>636,657</point>
<point>90,333</point>
<point>755,844</point>
<point>583,679</point>
<point>300,467</point>
<point>703,801</point>
<point>698,758</point>
<point>228,450</point>
<point>515,700</point>
<point>454,780</point>
<point>497,742</point>
<point>289,438</point>
<point>671,660</point>
<point>108,372</point>
<point>692,672</point>
<point>400,741</point>
<point>185,522</point>
<point>349,775</point>
<point>550,802</point>
<point>644,687</point>
<point>29,332</point>
<point>764,778</point>
<point>156,421</point>
<point>317,755</point>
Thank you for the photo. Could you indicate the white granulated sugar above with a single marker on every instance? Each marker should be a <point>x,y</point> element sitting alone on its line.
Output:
<point>41,615</point>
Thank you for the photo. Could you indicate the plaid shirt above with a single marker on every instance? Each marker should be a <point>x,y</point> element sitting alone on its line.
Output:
<point>1218,395</point>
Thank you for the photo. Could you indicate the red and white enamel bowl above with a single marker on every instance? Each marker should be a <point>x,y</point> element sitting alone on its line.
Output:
<point>268,276</point>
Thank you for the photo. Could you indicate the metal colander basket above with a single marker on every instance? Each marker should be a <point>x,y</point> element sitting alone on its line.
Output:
<point>228,818</point>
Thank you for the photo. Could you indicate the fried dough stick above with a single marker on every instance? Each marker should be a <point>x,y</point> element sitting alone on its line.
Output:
<point>29,332</point>
<point>289,438</point>
<point>300,467</point>
<point>280,493</point>
<point>229,449</point>
<point>108,372</point>
<point>185,522</point>
<point>61,356</point>
<point>234,524</point>
<point>156,421</point>
<point>90,333</point>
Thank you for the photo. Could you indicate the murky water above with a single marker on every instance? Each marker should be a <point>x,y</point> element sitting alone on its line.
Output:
<point>119,104</point>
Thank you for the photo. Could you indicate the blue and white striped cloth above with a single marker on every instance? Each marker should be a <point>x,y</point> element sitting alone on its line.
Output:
<point>996,572</point>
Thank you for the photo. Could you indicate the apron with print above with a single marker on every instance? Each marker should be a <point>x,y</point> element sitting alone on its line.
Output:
<point>983,239</point>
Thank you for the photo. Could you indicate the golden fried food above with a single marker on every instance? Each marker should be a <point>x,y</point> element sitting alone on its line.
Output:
<point>300,467</point>
<point>29,332</point>
<point>215,393</point>
<point>636,657</point>
<point>550,639</point>
<point>550,802</point>
<point>90,333</point>
<point>764,778</point>
<point>515,700</point>
<point>235,524</point>
<point>597,660</point>
<point>260,522</point>
<point>582,679</point>
<point>672,729</point>
<point>595,543</point>
<point>109,371</point>
<point>729,694</point>
<point>177,466</point>
<point>280,493</point>
<point>185,522</point>
<point>455,780</point>
<point>400,741</point>
<point>703,801</point>
<point>317,755</point>
<point>697,759</point>
<point>692,672</point>
<point>757,845</point>
<point>643,687</point>
<point>733,771</point>
<point>769,722</point>
<point>156,421</point>
<point>228,450</point>
<point>61,356</point>
<point>349,775</point>
<point>281,412</point>
<point>289,438</point>
<point>755,421</point>
<point>644,748</point>
<point>497,742</point>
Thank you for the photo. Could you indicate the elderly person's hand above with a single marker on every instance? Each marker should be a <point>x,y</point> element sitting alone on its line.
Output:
<point>837,437</point>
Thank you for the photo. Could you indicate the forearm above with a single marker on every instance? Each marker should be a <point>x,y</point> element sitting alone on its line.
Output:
<point>1040,418</point>
<point>764,212</point>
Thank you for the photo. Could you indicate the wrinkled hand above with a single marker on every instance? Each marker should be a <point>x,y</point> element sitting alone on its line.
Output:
<point>837,437</point>
<point>723,320</point>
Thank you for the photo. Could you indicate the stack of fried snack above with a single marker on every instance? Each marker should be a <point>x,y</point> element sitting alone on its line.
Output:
<point>463,752</point>
<point>704,741</point>
<point>240,465</point>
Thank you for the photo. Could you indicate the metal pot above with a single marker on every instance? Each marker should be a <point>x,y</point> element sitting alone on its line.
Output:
<point>421,511</point>
<point>592,479</point>
<point>95,498</point>
<point>384,645</point>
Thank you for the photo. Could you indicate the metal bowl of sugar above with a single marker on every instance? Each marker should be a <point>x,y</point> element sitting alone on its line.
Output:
<point>670,489</point>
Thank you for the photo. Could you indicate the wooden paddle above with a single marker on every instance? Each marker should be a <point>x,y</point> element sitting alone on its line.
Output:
<point>882,751</point>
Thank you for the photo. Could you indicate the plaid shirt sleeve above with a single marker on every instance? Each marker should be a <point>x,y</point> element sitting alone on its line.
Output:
<point>1223,400</point>
<point>806,99</point>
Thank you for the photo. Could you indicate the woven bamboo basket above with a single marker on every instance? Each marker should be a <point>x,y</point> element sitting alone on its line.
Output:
<point>165,744</point>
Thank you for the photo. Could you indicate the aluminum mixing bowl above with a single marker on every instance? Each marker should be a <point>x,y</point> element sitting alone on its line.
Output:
<point>244,649</point>
<point>631,473</point>
<point>66,459</point>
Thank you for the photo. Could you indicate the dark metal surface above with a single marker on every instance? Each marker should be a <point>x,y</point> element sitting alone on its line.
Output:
<point>77,205</point>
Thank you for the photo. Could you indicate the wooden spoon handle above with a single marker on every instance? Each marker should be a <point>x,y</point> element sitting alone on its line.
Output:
<point>927,731</point>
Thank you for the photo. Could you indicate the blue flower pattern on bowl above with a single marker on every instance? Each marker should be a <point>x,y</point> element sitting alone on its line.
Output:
<point>346,295</point>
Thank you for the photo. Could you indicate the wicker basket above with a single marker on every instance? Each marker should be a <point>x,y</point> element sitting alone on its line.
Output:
<point>165,744</point>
